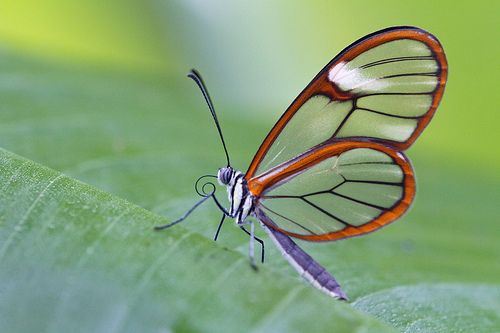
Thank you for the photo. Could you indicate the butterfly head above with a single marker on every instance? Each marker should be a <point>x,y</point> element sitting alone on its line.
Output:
<point>224,175</point>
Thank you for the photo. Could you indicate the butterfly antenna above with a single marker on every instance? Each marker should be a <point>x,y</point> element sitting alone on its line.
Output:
<point>193,74</point>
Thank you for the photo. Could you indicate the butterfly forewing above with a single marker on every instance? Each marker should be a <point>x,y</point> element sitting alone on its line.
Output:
<point>385,87</point>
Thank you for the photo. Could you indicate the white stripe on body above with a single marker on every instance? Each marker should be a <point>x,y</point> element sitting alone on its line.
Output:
<point>239,197</point>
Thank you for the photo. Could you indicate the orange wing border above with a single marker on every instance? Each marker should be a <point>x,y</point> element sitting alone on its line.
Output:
<point>321,85</point>
<point>258,185</point>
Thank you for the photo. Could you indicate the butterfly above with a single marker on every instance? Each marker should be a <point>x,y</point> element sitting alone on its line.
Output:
<point>334,166</point>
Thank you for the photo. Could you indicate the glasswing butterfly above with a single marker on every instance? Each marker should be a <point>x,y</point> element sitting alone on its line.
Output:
<point>333,166</point>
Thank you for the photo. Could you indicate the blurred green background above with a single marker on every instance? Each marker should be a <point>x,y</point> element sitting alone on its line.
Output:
<point>97,90</point>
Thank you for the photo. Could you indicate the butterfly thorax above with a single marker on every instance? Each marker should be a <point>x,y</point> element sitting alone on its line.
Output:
<point>240,199</point>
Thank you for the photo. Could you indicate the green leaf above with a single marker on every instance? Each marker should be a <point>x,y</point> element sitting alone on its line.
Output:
<point>436,307</point>
<point>76,259</point>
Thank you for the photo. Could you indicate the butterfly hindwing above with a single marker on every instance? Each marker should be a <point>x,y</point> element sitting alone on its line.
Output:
<point>337,190</point>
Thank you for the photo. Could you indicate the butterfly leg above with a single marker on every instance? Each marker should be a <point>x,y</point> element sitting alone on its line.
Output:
<point>219,227</point>
<point>183,217</point>
<point>251,247</point>
<point>260,241</point>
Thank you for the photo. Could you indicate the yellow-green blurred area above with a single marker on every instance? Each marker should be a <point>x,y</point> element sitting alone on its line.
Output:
<point>97,91</point>
<point>262,54</point>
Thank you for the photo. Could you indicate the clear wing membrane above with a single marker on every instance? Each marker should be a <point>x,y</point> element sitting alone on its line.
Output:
<point>312,124</point>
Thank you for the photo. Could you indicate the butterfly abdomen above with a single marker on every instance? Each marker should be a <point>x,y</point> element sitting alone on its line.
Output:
<point>303,263</point>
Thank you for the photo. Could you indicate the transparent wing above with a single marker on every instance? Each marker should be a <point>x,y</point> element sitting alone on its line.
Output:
<point>384,87</point>
<point>338,190</point>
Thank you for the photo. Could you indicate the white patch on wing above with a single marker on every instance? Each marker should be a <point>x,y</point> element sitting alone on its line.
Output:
<point>350,78</point>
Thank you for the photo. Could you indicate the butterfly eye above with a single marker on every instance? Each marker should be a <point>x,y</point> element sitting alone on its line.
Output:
<point>224,175</point>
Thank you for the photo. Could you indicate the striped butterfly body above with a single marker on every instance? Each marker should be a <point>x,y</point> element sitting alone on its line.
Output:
<point>240,199</point>
<point>334,166</point>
